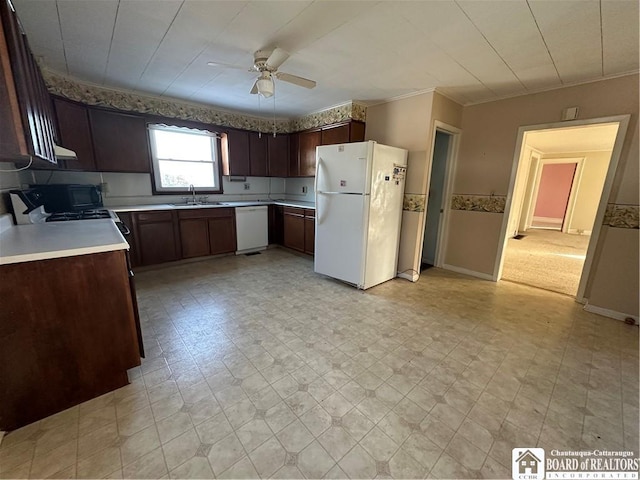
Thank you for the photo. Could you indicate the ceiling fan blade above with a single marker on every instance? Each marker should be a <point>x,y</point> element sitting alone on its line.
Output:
<point>254,90</point>
<point>296,80</point>
<point>225,65</point>
<point>277,58</point>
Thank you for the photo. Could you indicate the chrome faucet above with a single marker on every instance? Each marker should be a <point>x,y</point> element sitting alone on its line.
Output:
<point>192,189</point>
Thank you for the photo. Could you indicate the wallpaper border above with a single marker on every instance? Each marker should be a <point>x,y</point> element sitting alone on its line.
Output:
<point>622,216</point>
<point>172,108</point>
<point>479,203</point>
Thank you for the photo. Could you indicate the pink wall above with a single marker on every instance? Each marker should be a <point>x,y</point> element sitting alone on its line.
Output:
<point>555,187</point>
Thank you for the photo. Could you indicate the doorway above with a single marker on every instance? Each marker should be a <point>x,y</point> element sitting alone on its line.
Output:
<point>560,185</point>
<point>445,144</point>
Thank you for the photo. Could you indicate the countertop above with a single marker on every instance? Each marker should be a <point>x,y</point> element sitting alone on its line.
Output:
<point>42,241</point>
<point>169,206</point>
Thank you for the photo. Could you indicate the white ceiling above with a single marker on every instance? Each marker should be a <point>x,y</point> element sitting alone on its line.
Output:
<point>370,51</point>
<point>574,139</point>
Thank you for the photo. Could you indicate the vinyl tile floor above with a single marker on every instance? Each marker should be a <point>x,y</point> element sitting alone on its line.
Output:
<point>256,367</point>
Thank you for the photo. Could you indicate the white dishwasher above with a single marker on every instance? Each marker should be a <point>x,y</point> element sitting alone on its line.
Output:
<point>252,228</point>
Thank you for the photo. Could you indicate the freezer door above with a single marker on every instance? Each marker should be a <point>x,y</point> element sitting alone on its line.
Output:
<point>344,168</point>
<point>340,227</point>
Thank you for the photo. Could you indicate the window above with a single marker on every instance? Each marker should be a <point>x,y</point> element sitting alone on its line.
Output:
<point>183,157</point>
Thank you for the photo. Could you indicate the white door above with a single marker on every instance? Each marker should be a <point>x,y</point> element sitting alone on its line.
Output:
<point>339,245</point>
<point>343,168</point>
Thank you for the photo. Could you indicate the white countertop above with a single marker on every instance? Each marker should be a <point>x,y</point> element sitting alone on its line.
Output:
<point>168,206</point>
<point>42,241</point>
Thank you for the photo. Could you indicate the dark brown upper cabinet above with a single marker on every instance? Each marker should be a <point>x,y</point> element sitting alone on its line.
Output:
<point>308,141</point>
<point>278,155</point>
<point>75,133</point>
<point>26,113</point>
<point>235,153</point>
<point>120,141</point>
<point>352,131</point>
<point>258,154</point>
<point>294,154</point>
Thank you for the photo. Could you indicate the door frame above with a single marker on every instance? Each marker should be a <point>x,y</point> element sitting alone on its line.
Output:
<point>623,124</point>
<point>449,173</point>
<point>573,191</point>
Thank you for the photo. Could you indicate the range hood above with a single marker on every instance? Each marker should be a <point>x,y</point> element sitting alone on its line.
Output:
<point>62,153</point>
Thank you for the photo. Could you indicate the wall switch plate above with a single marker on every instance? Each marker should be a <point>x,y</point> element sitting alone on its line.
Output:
<point>247,186</point>
<point>304,189</point>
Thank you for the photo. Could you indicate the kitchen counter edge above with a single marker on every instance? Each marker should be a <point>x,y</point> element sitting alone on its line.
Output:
<point>167,206</point>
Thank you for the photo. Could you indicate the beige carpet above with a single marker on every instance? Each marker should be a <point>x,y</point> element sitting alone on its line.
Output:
<point>546,259</point>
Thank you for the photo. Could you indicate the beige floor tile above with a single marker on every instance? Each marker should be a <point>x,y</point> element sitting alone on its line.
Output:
<point>139,444</point>
<point>295,437</point>
<point>337,442</point>
<point>314,461</point>
<point>225,453</point>
<point>379,445</point>
<point>253,434</point>
<point>466,453</point>
<point>150,465</point>
<point>268,457</point>
<point>448,467</point>
<point>55,460</point>
<point>16,454</point>
<point>403,465</point>
<point>240,413</point>
<point>100,464</point>
<point>241,470</point>
<point>170,427</point>
<point>214,429</point>
<point>317,420</point>
<point>358,463</point>
<point>197,467</point>
<point>397,428</point>
<point>356,424</point>
<point>95,441</point>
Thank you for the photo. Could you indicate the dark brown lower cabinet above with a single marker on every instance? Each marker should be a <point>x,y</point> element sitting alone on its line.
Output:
<point>293,223</point>
<point>207,231</point>
<point>156,236</point>
<point>309,231</point>
<point>67,334</point>
<point>276,224</point>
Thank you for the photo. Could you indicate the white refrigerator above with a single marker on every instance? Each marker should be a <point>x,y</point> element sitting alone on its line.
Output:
<point>359,193</point>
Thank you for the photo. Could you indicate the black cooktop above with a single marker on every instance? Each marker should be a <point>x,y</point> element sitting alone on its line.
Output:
<point>83,215</point>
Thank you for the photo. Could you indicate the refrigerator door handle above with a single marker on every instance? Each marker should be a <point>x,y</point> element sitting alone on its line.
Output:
<point>345,193</point>
<point>315,180</point>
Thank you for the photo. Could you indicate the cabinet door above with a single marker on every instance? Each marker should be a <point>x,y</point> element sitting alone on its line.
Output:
<point>278,155</point>
<point>334,135</point>
<point>258,154</point>
<point>308,143</point>
<point>120,142</point>
<point>293,220</point>
<point>294,155</point>
<point>309,235</point>
<point>235,153</point>
<point>194,238</point>
<point>75,133</point>
<point>222,234</point>
<point>156,237</point>
<point>127,219</point>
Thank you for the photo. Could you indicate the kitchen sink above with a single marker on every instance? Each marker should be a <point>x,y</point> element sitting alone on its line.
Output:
<point>196,204</point>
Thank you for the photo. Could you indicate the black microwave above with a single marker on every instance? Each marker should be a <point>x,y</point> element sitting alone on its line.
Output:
<point>68,197</point>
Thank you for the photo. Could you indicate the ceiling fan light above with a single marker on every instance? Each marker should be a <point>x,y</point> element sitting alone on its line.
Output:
<point>265,86</point>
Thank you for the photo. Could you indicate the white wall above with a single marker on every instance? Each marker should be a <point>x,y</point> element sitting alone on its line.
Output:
<point>293,189</point>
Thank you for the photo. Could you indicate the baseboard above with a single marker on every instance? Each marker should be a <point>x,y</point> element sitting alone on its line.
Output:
<point>605,312</point>
<point>251,250</point>
<point>471,273</point>
<point>554,221</point>
<point>581,232</point>
<point>412,277</point>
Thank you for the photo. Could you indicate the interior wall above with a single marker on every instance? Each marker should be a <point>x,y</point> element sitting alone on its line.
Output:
<point>405,123</point>
<point>553,192</point>
<point>594,171</point>
<point>490,132</point>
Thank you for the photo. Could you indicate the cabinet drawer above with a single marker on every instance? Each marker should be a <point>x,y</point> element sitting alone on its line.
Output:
<point>309,213</point>
<point>298,212</point>
<point>149,217</point>
<point>206,213</point>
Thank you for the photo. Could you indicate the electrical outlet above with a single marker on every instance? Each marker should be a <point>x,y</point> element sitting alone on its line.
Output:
<point>247,186</point>
<point>304,189</point>
<point>104,187</point>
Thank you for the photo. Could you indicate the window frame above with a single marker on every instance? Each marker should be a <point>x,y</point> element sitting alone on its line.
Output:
<point>156,183</point>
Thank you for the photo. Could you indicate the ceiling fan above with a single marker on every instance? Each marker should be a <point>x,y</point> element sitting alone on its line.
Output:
<point>267,62</point>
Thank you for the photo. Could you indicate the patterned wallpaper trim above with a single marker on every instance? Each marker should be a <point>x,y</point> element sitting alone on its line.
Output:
<point>414,202</point>
<point>622,216</point>
<point>479,203</point>
<point>132,102</point>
